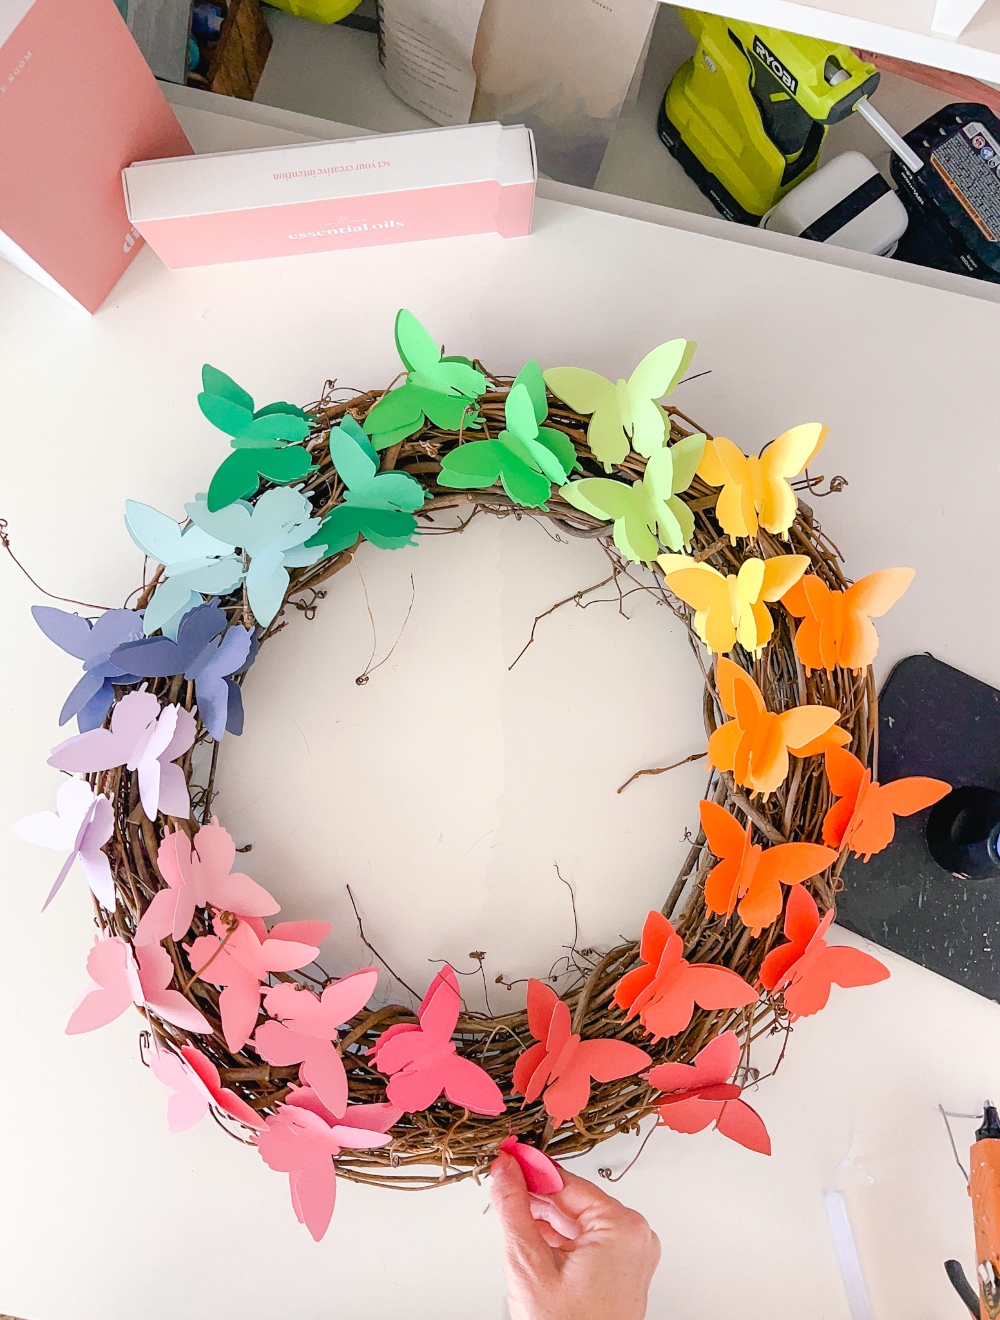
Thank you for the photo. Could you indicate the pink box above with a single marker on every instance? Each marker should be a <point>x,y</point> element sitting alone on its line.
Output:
<point>77,103</point>
<point>318,196</point>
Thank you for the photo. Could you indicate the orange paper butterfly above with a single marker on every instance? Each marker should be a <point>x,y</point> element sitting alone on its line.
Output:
<point>863,818</point>
<point>755,743</point>
<point>749,878</point>
<point>836,627</point>
<point>665,991</point>
<point>807,968</point>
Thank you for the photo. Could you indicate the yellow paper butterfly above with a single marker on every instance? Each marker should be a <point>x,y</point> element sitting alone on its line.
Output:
<point>625,413</point>
<point>756,490</point>
<point>731,608</point>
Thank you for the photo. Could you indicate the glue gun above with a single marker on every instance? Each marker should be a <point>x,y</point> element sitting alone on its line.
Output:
<point>984,1188</point>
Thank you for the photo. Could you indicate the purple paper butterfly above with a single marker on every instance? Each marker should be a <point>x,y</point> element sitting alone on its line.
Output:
<point>207,654</point>
<point>91,642</point>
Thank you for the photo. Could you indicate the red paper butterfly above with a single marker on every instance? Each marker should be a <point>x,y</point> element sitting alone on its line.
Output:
<point>561,1065</point>
<point>700,1093</point>
<point>807,968</point>
<point>422,1060</point>
<point>863,818</point>
<point>664,992</point>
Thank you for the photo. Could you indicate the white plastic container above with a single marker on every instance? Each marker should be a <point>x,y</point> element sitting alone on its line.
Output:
<point>846,203</point>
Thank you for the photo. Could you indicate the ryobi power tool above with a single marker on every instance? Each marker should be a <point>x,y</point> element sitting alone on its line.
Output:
<point>747,114</point>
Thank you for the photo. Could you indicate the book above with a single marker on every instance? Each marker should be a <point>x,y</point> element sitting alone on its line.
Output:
<point>78,103</point>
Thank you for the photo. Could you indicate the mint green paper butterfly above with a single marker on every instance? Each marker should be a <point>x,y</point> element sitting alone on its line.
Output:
<point>526,457</point>
<point>377,505</point>
<point>260,440</point>
<point>649,508</point>
<point>443,389</point>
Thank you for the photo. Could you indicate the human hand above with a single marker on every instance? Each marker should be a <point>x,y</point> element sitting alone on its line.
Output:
<point>603,1273</point>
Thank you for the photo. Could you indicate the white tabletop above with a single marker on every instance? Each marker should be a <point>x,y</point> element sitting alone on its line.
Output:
<point>107,1217</point>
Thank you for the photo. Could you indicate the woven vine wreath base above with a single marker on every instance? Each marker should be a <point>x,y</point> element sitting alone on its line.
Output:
<point>454,1143</point>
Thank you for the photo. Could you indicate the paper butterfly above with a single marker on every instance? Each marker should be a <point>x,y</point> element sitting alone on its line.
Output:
<point>120,979</point>
<point>560,1067</point>
<point>241,958</point>
<point>647,509</point>
<point>303,1140</point>
<point>197,875</point>
<point>206,653</point>
<point>193,562</point>
<point>755,743</point>
<point>444,389</point>
<point>665,991</point>
<point>377,505</point>
<point>755,491</point>
<point>304,1027</point>
<point>731,608</point>
<point>91,642</point>
<point>81,825</point>
<point>541,1175</point>
<point>260,439</point>
<point>421,1061</point>
<point>863,818</point>
<point>806,969</point>
<point>700,1093</point>
<point>748,878</point>
<point>273,533</point>
<point>625,413</point>
<point>195,1082</point>
<point>143,737</point>
<point>526,457</point>
<point>836,627</point>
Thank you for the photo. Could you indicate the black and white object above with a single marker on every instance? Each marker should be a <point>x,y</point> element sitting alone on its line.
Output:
<point>846,203</point>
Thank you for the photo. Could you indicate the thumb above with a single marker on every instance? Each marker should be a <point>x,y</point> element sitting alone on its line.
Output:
<point>526,1251</point>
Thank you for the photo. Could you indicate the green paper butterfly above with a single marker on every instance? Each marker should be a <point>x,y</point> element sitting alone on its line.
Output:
<point>443,389</point>
<point>649,508</point>
<point>526,457</point>
<point>261,440</point>
<point>377,505</point>
<point>625,413</point>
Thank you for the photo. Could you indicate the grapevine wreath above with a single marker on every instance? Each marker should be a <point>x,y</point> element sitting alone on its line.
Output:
<point>240,1018</point>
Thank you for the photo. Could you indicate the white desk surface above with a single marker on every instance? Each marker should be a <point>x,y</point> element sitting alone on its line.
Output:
<point>107,1217</point>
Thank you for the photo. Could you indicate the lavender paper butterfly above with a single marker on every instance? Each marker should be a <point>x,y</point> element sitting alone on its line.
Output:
<point>207,654</point>
<point>91,642</point>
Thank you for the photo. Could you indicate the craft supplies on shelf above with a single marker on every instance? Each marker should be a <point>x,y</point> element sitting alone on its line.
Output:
<point>65,136</point>
<point>846,203</point>
<point>317,196</point>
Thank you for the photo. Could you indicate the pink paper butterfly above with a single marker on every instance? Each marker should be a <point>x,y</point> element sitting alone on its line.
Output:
<point>700,1093</point>
<point>562,1064</point>
<point>82,823</point>
<point>305,1028</point>
<point>241,959</point>
<point>144,738</point>
<point>198,874</point>
<point>194,1080</point>
<point>422,1061</point>
<point>304,1138</point>
<point>119,982</point>
<point>541,1175</point>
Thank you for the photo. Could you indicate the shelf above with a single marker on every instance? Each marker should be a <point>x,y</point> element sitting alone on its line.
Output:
<point>892,27</point>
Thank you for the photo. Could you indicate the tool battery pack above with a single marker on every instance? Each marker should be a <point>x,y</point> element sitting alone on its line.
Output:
<point>954,201</point>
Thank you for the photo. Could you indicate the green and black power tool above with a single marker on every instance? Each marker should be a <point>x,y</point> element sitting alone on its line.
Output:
<point>747,114</point>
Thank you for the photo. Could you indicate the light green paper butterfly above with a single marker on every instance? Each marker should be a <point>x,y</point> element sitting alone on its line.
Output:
<point>444,389</point>
<point>649,508</point>
<point>377,505</point>
<point>625,413</point>
<point>526,457</point>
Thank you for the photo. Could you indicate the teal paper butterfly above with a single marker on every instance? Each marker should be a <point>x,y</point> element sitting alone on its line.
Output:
<point>262,441</point>
<point>377,505</point>
<point>526,457</point>
<point>443,389</point>
<point>649,508</point>
<point>272,534</point>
